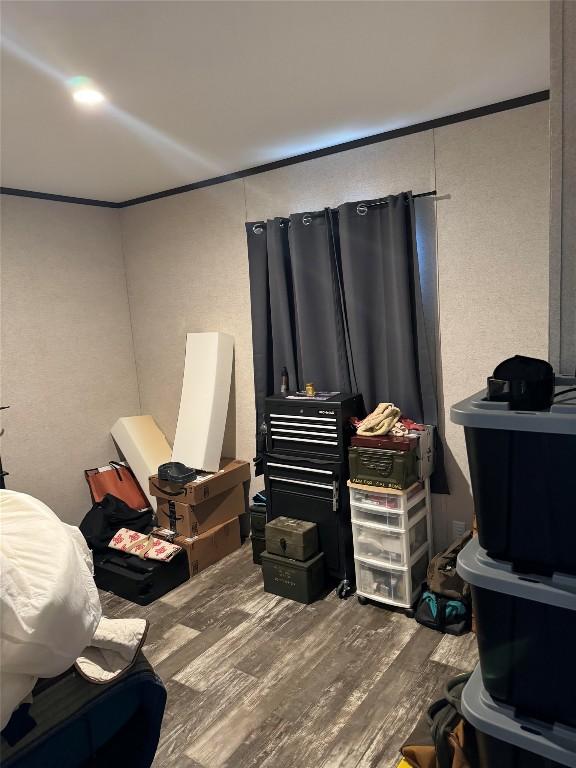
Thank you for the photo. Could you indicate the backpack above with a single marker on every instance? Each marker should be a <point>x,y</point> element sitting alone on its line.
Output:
<point>443,738</point>
<point>445,603</point>
<point>106,518</point>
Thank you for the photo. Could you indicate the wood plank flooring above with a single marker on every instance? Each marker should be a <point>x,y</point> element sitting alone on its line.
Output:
<point>256,681</point>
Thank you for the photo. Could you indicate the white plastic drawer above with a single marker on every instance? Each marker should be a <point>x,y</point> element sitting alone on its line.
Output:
<point>388,546</point>
<point>380,498</point>
<point>366,513</point>
<point>398,586</point>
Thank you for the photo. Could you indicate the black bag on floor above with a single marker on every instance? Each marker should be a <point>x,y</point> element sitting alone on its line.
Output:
<point>443,613</point>
<point>443,739</point>
<point>445,604</point>
<point>107,517</point>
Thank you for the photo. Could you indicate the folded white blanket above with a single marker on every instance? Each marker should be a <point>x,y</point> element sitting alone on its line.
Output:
<point>49,603</point>
<point>113,649</point>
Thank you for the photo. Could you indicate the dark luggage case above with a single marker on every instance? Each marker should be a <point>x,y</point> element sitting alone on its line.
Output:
<point>258,546</point>
<point>525,628</point>
<point>298,580</point>
<point>141,581</point>
<point>523,475</point>
<point>384,469</point>
<point>297,539</point>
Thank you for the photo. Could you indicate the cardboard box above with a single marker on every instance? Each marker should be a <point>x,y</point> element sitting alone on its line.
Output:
<point>212,546</point>
<point>231,473</point>
<point>193,519</point>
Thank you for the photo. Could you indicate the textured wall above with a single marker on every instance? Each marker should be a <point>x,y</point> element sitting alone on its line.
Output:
<point>67,358</point>
<point>187,263</point>
<point>492,258</point>
<point>187,270</point>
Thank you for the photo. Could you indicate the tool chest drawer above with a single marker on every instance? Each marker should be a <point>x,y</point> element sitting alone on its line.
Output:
<point>394,585</point>
<point>389,546</point>
<point>366,513</point>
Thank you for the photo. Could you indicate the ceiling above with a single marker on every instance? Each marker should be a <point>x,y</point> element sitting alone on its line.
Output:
<point>200,89</point>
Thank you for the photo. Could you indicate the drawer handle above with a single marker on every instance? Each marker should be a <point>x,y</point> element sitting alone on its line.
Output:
<point>305,418</point>
<point>302,482</point>
<point>304,440</point>
<point>299,469</point>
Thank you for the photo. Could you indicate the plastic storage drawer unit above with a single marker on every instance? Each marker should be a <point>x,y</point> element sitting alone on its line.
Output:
<point>393,585</point>
<point>523,473</point>
<point>389,546</point>
<point>387,499</point>
<point>367,513</point>
<point>525,629</point>
<point>506,740</point>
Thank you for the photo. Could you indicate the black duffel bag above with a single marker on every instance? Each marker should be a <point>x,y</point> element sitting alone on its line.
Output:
<point>106,518</point>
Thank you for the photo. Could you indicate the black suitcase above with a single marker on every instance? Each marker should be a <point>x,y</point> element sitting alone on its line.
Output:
<point>141,581</point>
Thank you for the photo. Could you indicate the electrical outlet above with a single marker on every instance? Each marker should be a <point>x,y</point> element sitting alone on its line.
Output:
<point>458,528</point>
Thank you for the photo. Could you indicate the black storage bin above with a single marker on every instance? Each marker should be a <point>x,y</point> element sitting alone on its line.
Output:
<point>526,630</point>
<point>506,740</point>
<point>523,473</point>
<point>141,581</point>
<point>300,580</point>
<point>258,546</point>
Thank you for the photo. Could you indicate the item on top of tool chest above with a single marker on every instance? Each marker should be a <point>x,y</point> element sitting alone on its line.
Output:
<point>297,539</point>
<point>258,546</point>
<point>231,473</point>
<point>525,627</point>
<point>386,469</point>
<point>193,519</point>
<point>141,581</point>
<point>117,479</point>
<point>508,738</point>
<point>106,518</point>
<point>176,472</point>
<point>285,384</point>
<point>258,521</point>
<point>523,479</point>
<point>300,580</point>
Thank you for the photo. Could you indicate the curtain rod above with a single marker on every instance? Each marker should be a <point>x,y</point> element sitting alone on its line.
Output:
<point>361,209</point>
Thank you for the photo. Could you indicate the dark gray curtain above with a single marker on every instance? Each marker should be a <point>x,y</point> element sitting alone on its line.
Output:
<point>336,298</point>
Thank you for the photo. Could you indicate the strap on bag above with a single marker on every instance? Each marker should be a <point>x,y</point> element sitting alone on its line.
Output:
<point>148,544</point>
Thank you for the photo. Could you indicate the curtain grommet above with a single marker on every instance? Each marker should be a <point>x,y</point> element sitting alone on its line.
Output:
<point>306,219</point>
<point>257,229</point>
<point>361,209</point>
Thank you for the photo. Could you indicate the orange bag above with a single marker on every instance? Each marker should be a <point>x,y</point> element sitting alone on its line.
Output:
<point>118,480</point>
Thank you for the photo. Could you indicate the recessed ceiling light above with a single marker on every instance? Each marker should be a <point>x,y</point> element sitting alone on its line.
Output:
<point>84,92</point>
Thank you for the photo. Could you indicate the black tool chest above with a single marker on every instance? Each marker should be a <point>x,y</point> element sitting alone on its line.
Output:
<point>306,469</point>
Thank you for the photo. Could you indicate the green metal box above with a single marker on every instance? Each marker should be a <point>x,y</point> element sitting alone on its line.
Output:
<point>384,469</point>
<point>297,539</point>
<point>298,580</point>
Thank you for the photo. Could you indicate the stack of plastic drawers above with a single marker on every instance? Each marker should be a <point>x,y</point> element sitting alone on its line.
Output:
<point>522,572</point>
<point>392,542</point>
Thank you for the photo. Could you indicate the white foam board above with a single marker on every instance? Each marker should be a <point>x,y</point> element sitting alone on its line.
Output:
<point>144,447</point>
<point>204,400</point>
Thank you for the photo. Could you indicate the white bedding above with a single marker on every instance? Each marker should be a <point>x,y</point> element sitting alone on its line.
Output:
<point>49,603</point>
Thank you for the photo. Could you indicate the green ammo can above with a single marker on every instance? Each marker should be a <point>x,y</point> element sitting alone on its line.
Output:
<point>298,580</point>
